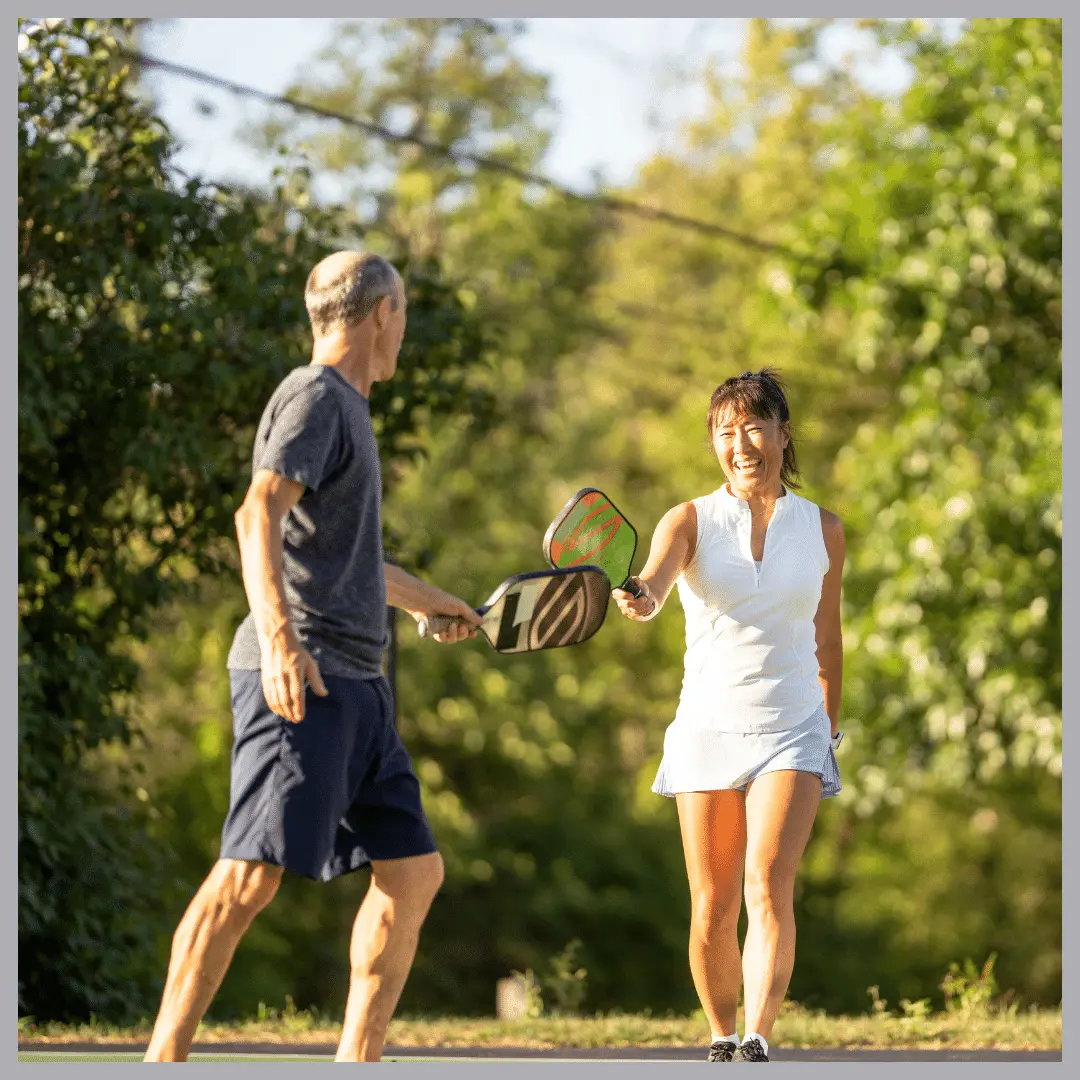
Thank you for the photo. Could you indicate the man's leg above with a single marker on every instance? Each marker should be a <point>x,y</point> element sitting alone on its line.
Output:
<point>217,918</point>
<point>384,941</point>
<point>780,812</point>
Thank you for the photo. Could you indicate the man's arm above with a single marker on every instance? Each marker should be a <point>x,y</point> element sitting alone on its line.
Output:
<point>258,530</point>
<point>286,665</point>
<point>421,600</point>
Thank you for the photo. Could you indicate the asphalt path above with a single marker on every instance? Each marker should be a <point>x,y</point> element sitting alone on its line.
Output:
<point>56,1051</point>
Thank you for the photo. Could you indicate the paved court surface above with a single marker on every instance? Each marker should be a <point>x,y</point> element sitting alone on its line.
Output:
<point>277,1052</point>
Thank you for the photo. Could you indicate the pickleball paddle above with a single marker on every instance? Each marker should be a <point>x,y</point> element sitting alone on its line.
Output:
<point>591,529</point>
<point>544,609</point>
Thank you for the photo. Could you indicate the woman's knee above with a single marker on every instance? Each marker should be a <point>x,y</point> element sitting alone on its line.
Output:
<point>769,890</point>
<point>714,913</point>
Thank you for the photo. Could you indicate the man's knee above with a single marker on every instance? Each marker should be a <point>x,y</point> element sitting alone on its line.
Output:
<point>412,881</point>
<point>244,888</point>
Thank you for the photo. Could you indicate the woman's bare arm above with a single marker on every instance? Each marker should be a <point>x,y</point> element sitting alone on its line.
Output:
<point>827,630</point>
<point>674,542</point>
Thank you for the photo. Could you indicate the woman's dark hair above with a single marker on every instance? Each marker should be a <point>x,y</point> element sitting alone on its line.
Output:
<point>756,393</point>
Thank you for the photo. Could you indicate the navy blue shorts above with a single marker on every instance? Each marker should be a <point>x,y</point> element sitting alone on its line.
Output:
<point>325,796</point>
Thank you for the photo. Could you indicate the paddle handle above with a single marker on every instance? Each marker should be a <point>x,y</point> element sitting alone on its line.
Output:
<point>632,587</point>
<point>434,624</point>
<point>439,624</point>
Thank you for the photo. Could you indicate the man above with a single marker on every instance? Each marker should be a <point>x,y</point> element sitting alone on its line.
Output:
<point>321,783</point>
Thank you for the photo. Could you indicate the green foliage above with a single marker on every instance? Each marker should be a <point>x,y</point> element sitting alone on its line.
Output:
<point>539,773</point>
<point>155,316</point>
<point>952,501</point>
<point>450,82</point>
<point>566,982</point>
<point>536,774</point>
<point>969,989</point>
<point>532,992</point>
<point>921,339</point>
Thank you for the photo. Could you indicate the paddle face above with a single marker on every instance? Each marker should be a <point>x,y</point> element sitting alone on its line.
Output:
<point>546,609</point>
<point>590,529</point>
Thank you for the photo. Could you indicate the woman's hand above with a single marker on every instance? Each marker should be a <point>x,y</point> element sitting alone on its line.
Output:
<point>639,608</point>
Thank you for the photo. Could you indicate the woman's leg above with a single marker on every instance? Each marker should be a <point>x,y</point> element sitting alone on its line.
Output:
<point>780,811</point>
<point>713,825</point>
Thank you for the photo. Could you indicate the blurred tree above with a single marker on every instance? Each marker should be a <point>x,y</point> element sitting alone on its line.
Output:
<point>523,262</point>
<point>610,337</point>
<point>941,233</point>
<point>154,318</point>
<point>538,770</point>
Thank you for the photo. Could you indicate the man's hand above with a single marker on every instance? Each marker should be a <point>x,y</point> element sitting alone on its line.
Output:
<point>422,600</point>
<point>465,618</point>
<point>286,669</point>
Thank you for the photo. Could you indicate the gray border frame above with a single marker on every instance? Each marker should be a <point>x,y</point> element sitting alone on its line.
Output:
<point>607,8</point>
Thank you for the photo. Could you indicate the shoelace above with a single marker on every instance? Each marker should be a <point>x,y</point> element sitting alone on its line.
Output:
<point>753,1051</point>
<point>721,1051</point>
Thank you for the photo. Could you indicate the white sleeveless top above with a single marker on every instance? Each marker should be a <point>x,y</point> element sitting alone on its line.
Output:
<point>751,654</point>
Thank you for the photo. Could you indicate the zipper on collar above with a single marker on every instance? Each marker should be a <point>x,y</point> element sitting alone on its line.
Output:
<point>748,526</point>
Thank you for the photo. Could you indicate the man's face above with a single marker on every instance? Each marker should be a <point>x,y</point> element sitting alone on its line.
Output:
<point>391,333</point>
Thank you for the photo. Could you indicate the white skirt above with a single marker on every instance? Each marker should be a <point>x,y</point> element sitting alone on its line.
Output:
<point>701,759</point>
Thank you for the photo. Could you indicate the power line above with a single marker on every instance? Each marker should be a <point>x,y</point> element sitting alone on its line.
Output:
<point>481,161</point>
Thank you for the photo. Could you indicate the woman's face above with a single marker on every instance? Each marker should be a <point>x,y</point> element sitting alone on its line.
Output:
<point>750,450</point>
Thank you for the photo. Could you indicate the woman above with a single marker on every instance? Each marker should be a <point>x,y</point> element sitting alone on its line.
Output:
<point>750,753</point>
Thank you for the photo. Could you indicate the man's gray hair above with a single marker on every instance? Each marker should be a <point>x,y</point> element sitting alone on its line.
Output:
<point>349,295</point>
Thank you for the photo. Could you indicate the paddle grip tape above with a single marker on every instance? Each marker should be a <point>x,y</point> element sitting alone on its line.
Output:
<point>436,624</point>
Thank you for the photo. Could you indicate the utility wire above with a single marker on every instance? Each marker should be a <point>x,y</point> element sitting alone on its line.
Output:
<point>481,161</point>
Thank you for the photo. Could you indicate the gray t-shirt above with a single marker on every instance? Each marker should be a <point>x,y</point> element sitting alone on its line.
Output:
<point>316,430</point>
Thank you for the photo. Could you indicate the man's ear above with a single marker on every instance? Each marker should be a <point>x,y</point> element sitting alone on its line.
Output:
<point>381,311</point>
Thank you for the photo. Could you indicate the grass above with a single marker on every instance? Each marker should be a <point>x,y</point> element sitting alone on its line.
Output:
<point>984,1027</point>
